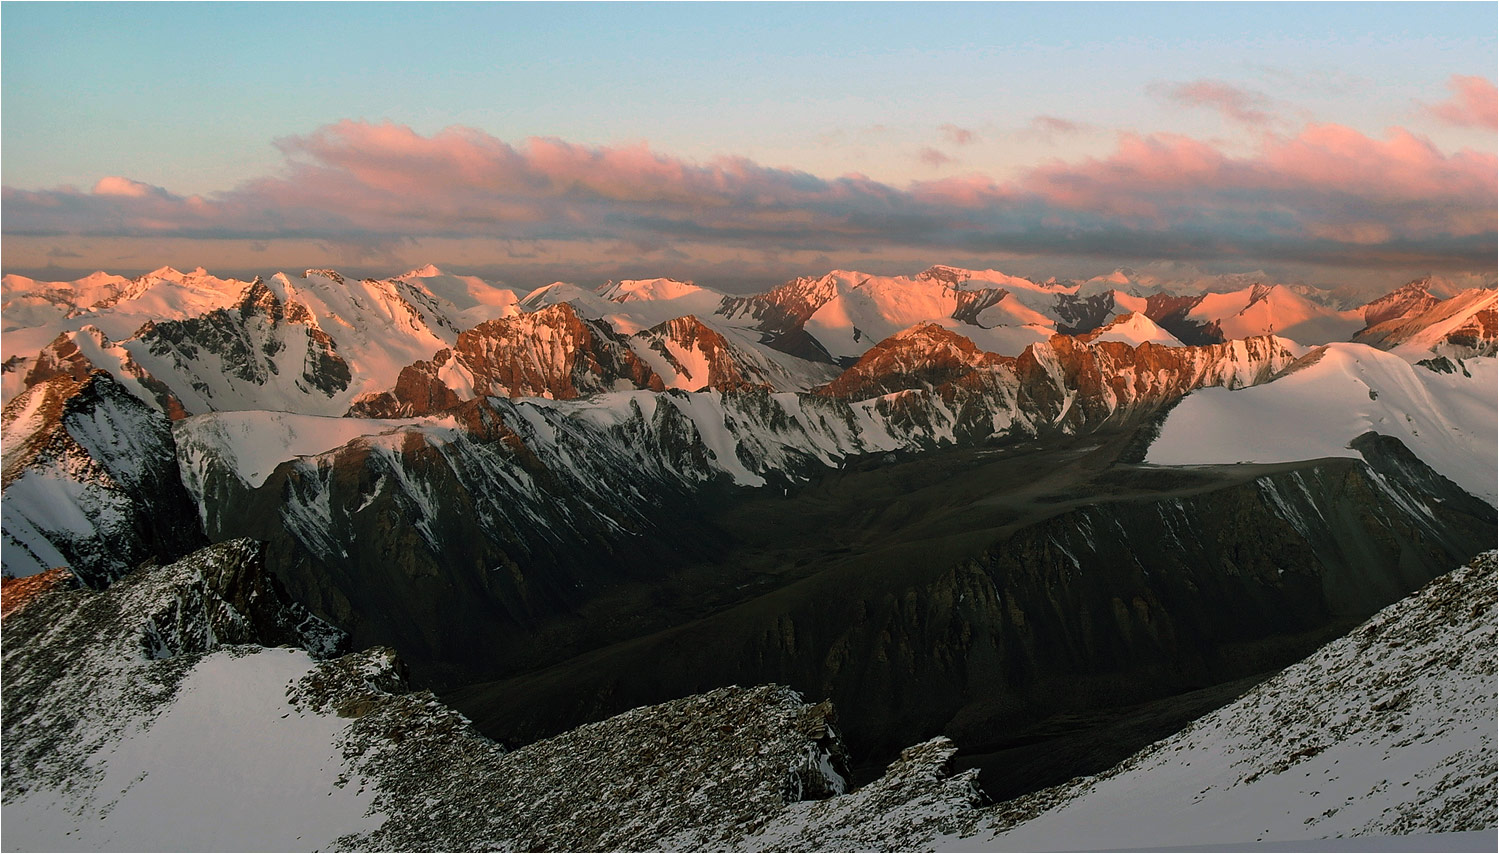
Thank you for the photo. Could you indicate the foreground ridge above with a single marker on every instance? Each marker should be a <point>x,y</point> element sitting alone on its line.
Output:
<point>110,698</point>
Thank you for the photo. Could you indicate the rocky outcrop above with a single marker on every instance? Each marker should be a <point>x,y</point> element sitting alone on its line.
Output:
<point>1081,314</point>
<point>91,483</point>
<point>17,593</point>
<point>1067,384</point>
<point>419,390</point>
<point>699,772</point>
<point>551,352</point>
<point>781,314</point>
<point>65,358</point>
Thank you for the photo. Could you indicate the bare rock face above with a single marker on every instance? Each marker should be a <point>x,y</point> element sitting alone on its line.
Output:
<point>91,483</point>
<point>1406,301</point>
<point>781,314</point>
<point>1078,314</point>
<point>550,353</point>
<point>1065,384</point>
<point>926,356</point>
<point>17,593</point>
<point>419,390</point>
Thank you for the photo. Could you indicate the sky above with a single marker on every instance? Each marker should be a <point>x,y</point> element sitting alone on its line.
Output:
<point>741,144</point>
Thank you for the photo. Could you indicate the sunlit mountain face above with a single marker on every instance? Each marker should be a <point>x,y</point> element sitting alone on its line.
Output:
<point>810,428</point>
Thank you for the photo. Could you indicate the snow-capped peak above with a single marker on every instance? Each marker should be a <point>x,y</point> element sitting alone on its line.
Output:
<point>634,290</point>
<point>1134,329</point>
<point>424,272</point>
<point>168,272</point>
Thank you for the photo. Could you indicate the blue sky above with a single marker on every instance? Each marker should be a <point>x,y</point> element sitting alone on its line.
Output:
<point>192,97</point>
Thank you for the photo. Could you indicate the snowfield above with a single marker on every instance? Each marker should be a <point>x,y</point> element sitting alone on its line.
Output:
<point>228,765</point>
<point>1334,395</point>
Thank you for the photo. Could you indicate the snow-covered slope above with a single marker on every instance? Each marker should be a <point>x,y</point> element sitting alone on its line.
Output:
<point>861,310</point>
<point>148,716</point>
<point>254,443</point>
<point>1335,394</point>
<point>1275,310</point>
<point>632,305</point>
<point>317,342</point>
<point>474,299</point>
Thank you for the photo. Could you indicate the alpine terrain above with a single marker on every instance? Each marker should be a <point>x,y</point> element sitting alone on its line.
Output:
<point>956,559</point>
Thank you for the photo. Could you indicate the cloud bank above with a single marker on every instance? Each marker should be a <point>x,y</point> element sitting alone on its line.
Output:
<point>1327,194</point>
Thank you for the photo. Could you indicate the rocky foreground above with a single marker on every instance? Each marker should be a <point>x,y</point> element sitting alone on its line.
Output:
<point>154,715</point>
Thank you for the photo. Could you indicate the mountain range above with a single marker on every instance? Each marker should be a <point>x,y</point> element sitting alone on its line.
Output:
<point>1050,522</point>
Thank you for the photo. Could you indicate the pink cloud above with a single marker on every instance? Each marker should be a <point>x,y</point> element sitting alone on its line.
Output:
<point>1474,103</point>
<point>1240,105</point>
<point>1327,191</point>
<point>114,185</point>
<point>958,136</point>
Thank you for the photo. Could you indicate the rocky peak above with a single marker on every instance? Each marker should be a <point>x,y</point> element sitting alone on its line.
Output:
<point>953,277</point>
<point>923,356</point>
<point>701,356</point>
<point>63,358</point>
<point>419,390</point>
<point>551,352</point>
<point>330,275</point>
<point>1409,299</point>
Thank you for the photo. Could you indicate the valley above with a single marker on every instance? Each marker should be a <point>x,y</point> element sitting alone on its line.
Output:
<point>890,580</point>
